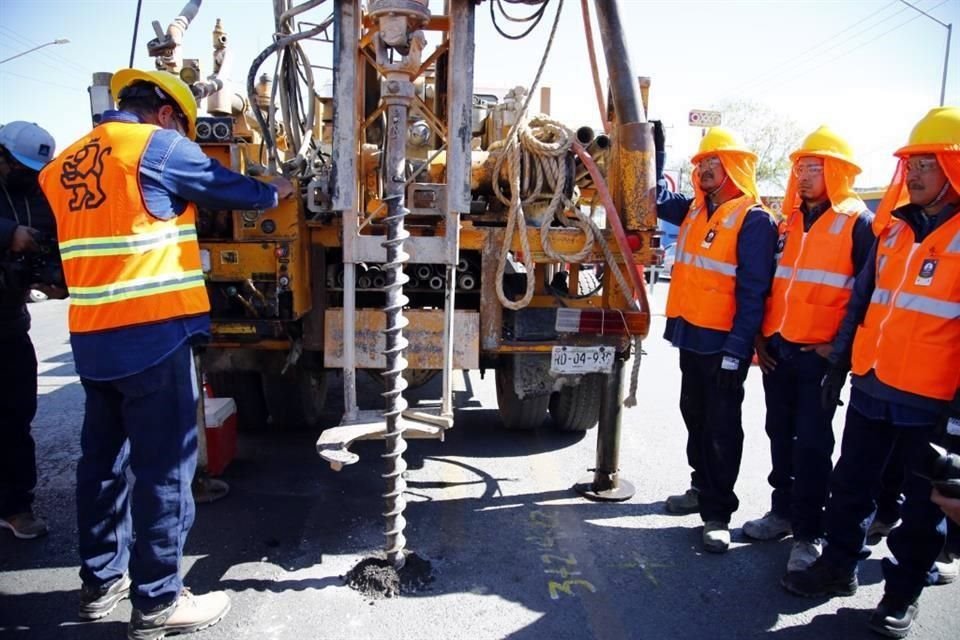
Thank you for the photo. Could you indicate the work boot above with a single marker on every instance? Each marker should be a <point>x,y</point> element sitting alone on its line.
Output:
<point>803,555</point>
<point>879,529</point>
<point>769,527</point>
<point>186,614</point>
<point>25,526</point>
<point>948,568</point>
<point>686,502</point>
<point>820,579</point>
<point>892,618</point>
<point>716,537</point>
<point>97,602</point>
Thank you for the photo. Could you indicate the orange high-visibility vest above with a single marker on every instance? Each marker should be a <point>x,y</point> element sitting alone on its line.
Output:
<point>814,279</point>
<point>705,268</point>
<point>910,336</point>
<point>123,266</point>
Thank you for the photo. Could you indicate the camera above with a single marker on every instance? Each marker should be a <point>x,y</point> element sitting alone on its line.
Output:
<point>18,271</point>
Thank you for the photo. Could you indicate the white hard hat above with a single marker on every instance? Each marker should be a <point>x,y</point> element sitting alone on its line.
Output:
<point>30,144</point>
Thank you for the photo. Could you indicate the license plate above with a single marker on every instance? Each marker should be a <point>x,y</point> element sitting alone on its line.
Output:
<point>582,360</point>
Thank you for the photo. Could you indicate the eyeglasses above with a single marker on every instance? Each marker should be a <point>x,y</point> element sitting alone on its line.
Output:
<point>709,163</point>
<point>812,170</point>
<point>921,165</point>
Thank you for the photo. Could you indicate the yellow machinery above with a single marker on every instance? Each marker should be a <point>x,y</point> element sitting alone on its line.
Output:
<point>435,230</point>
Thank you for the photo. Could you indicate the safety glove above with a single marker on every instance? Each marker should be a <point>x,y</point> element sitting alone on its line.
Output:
<point>832,384</point>
<point>727,376</point>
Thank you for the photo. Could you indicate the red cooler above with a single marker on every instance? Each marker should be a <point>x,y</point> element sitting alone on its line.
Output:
<point>220,415</point>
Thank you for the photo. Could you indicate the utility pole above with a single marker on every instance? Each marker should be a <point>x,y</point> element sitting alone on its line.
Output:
<point>946,56</point>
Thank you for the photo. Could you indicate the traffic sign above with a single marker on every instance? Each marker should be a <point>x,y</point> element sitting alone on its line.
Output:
<point>701,118</point>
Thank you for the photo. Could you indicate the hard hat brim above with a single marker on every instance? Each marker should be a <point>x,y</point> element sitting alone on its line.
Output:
<point>126,77</point>
<point>926,149</point>
<point>800,153</point>
<point>700,156</point>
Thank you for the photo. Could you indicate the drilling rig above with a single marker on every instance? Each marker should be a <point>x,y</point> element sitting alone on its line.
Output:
<point>436,228</point>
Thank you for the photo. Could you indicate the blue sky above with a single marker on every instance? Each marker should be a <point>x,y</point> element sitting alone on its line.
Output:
<point>869,68</point>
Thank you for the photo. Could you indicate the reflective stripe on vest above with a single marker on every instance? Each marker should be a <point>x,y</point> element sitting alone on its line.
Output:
<point>814,278</point>
<point>710,264</point>
<point>910,335</point>
<point>126,245</point>
<point>131,289</point>
<point>123,266</point>
<point>702,289</point>
<point>880,296</point>
<point>928,305</point>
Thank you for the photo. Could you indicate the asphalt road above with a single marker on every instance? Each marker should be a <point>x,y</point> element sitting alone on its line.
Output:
<point>515,553</point>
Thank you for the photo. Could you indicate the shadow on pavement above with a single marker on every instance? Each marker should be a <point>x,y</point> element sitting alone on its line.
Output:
<point>586,569</point>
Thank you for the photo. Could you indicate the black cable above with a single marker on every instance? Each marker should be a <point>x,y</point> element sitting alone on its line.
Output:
<point>136,27</point>
<point>534,18</point>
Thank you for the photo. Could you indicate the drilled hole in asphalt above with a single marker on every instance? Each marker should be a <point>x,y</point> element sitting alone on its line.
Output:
<point>376,578</point>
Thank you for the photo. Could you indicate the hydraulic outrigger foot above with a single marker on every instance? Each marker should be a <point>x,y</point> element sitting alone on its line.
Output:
<point>605,484</point>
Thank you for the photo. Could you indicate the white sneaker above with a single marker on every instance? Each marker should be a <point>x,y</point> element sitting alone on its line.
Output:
<point>803,554</point>
<point>716,537</point>
<point>948,568</point>
<point>769,527</point>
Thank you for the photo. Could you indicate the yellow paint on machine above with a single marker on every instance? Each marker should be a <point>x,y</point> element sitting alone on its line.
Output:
<point>424,333</point>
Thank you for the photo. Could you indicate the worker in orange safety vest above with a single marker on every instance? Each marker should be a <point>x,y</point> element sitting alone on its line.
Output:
<point>125,197</point>
<point>824,242</point>
<point>900,338</point>
<point>721,277</point>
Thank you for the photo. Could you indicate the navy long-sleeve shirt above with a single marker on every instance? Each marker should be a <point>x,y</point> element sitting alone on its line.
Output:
<point>870,396</point>
<point>173,172</point>
<point>27,209</point>
<point>863,240</point>
<point>756,245</point>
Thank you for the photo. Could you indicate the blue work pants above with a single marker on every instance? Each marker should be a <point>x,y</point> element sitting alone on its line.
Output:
<point>138,457</point>
<point>714,432</point>
<point>867,447</point>
<point>801,441</point>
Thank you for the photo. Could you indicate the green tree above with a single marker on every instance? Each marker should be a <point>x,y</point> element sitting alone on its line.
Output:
<point>771,135</point>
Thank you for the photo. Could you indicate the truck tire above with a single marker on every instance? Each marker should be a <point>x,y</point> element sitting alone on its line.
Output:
<point>245,389</point>
<point>518,413</point>
<point>295,400</point>
<point>577,408</point>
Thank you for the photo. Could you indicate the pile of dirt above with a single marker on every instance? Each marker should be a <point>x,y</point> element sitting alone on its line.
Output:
<point>376,578</point>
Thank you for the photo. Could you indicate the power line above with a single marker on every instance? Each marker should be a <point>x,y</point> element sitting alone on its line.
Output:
<point>776,83</point>
<point>38,80</point>
<point>35,58</point>
<point>55,58</point>
<point>800,60</point>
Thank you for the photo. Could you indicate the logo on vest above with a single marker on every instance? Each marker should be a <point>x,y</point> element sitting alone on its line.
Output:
<point>708,239</point>
<point>81,174</point>
<point>927,269</point>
